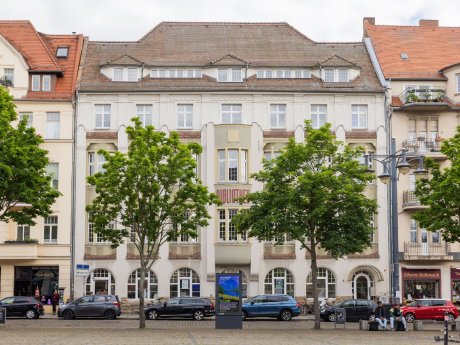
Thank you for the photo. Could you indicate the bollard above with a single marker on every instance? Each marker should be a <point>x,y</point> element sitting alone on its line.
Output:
<point>418,325</point>
<point>363,325</point>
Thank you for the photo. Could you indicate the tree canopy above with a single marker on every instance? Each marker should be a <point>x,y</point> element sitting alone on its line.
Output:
<point>313,193</point>
<point>149,195</point>
<point>25,185</point>
<point>441,193</point>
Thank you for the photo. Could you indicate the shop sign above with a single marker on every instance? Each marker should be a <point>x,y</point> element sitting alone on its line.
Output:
<point>230,195</point>
<point>421,274</point>
<point>82,270</point>
<point>455,273</point>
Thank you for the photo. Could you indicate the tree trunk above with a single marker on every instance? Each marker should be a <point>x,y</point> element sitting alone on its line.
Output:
<point>141,294</point>
<point>314,277</point>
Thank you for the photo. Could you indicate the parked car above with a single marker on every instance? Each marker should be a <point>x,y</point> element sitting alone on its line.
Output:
<point>355,309</point>
<point>22,306</point>
<point>196,307</point>
<point>283,307</point>
<point>107,306</point>
<point>433,308</point>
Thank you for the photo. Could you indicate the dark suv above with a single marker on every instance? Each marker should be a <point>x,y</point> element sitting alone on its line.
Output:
<point>107,306</point>
<point>283,307</point>
<point>356,309</point>
<point>22,306</point>
<point>196,307</point>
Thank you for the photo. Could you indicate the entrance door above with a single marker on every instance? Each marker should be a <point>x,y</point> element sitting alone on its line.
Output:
<point>101,287</point>
<point>362,287</point>
<point>185,287</point>
<point>425,245</point>
<point>279,285</point>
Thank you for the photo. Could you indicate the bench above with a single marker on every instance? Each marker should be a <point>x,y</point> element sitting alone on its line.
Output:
<point>418,324</point>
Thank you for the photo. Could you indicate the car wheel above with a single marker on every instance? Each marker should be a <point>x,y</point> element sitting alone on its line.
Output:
<point>198,315</point>
<point>67,315</point>
<point>331,317</point>
<point>371,318</point>
<point>245,315</point>
<point>152,314</point>
<point>31,314</point>
<point>110,314</point>
<point>410,317</point>
<point>285,315</point>
<point>451,318</point>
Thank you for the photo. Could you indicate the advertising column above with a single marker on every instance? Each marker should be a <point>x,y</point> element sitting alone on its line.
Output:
<point>228,301</point>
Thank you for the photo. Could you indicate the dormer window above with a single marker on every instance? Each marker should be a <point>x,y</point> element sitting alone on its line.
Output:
<point>343,75</point>
<point>41,82</point>
<point>173,73</point>
<point>229,75</point>
<point>125,74</point>
<point>118,74</point>
<point>283,73</point>
<point>334,75</point>
<point>62,52</point>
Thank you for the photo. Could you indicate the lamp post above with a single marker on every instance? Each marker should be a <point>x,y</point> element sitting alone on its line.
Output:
<point>397,162</point>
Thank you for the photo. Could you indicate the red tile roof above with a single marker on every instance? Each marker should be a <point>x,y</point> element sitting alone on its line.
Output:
<point>39,52</point>
<point>428,46</point>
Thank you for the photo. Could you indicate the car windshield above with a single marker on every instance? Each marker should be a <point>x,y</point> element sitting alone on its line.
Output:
<point>338,304</point>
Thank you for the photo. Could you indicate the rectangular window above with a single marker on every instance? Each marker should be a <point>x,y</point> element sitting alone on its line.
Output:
<point>172,73</point>
<point>35,83</point>
<point>53,170</point>
<point>233,165</point>
<point>232,234</point>
<point>413,231</point>
<point>359,116</point>
<point>132,74</point>
<point>222,226</point>
<point>306,73</point>
<point>343,75</point>
<point>222,75</point>
<point>222,174</point>
<point>197,73</point>
<point>52,126</point>
<point>161,73</point>
<point>95,237</point>
<point>269,155</point>
<point>318,115</point>
<point>435,237</point>
<point>9,74</point>
<point>227,231</point>
<point>154,73</point>
<point>180,73</point>
<point>102,116</point>
<point>144,113</point>
<point>46,83</point>
<point>62,52</point>
<point>329,75</point>
<point>28,117</point>
<point>412,182</point>
<point>118,74</point>
<point>260,73</point>
<point>100,163</point>
<point>287,74</point>
<point>279,73</point>
<point>190,73</point>
<point>458,83</point>
<point>185,116</point>
<point>51,229</point>
<point>236,74</point>
<point>268,74</point>
<point>23,232</point>
<point>231,113</point>
<point>91,158</point>
<point>298,74</point>
<point>278,116</point>
<point>243,165</point>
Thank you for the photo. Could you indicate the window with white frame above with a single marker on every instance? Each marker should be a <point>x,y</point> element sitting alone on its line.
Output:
<point>35,83</point>
<point>46,83</point>
<point>326,284</point>
<point>333,75</point>
<point>150,285</point>
<point>182,237</point>
<point>318,115</point>
<point>329,75</point>
<point>94,237</point>
<point>226,229</point>
<point>359,116</point>
<point>231,113</point>
<point>343,75</point>
<point>118,74</point>
<point>102,116</point>
<point>9,74</point>
<point>457,78</point>
<point>96,163</point>
<point>53,170</point>
<point>279,281</point>
<point>28,117</point>
<point>278,116</point>
<point>413,230</point>
<point>23,232</point>
<point>185,116</point>
<point>229,75</point>
<point>132,74</point>
<point>51,229</point>
<point>172,73</point>
<point>62,52</point>
<point>52,125</point>
<point>283,74</point>
<point>233,165</point>
<point>144,113</point>
<point>269,155</point>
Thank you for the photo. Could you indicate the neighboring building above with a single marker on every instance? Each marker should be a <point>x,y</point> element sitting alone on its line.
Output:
<point>41,71</point>
<point>240,90</point>
<point>421,66</point>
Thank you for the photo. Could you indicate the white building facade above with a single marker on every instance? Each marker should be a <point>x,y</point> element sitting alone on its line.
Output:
<point>241,91</point>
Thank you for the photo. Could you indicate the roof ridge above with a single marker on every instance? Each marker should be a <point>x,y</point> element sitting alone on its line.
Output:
<point>415,26</point>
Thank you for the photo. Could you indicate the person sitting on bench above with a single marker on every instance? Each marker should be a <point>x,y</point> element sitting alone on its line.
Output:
<point>396,315</point>
<point>380,316</point>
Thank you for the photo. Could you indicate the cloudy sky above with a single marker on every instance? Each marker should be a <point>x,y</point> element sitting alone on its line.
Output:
<point>321,20</point>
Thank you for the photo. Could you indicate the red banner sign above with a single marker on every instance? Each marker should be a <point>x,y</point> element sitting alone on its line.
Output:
<point>229,195</point>
<point>455,273</point>
<point>421,274</point>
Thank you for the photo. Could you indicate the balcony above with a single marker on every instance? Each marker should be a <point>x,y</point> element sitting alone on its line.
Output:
<point>100,252</point>
<point>410,201</point>
<point>184,251</point>
<point>19,250</point>
<point>429,147</point>
<point>427,251</point>
<point>6,82</point>
<point>280,251</point>
<point>427,99</point>
<point>228,253</point>
<point>371,252</point>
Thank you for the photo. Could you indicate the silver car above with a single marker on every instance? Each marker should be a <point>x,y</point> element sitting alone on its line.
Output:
<point>106,306</point>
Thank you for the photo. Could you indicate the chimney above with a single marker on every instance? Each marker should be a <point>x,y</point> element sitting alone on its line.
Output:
<point>428,22</point>
<point>370,20</point>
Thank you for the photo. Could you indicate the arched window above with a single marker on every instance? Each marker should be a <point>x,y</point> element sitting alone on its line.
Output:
<point>150,285</point>
<point>326,284</point>
<point>184,282</point>
<point>279,281</point>
<point>100,281</point>
<point>361,284</point>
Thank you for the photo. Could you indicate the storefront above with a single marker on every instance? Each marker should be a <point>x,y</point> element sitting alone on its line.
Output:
<point>455,284</point>
<point>421,283</point>
<point>36,281</point>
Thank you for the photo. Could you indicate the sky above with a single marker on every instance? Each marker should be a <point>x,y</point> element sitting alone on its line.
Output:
<point>129,20</point>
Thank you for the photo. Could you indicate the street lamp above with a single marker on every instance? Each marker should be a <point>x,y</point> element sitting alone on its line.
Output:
<point>393,164</point>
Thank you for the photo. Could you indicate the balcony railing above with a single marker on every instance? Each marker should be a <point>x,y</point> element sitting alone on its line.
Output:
<point>6,82</point>
<point>427,251</point>
<point>426,95</point>
<point>422,144</point>
<point>410,200</point>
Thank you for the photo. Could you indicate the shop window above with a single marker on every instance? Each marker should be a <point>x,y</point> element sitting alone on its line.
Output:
<point>35,281</point>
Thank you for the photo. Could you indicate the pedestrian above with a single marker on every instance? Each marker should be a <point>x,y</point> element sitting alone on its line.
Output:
<point>396,315</point>
<point>380,316</point>
<point>55,301</point>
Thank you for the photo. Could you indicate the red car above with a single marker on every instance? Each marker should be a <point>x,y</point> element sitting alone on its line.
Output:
<point>429,309</point>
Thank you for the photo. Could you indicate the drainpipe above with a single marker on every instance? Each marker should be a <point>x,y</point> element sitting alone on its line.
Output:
<point>73,205</point>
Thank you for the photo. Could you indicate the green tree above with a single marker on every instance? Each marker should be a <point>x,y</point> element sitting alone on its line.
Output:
<point>25,185</point>
<point>441,193</point>
<point>313,193</point>
<point>152,195</point>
